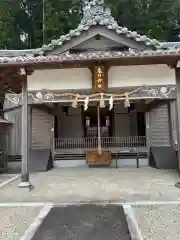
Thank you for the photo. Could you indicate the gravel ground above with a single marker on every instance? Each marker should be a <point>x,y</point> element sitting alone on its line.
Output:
<point>159,222</point>
<point>15,221</point>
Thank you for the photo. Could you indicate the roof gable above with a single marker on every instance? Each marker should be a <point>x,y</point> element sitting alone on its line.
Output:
<point>103,33</point>
<point>97,43</point>
<point>96,15</point>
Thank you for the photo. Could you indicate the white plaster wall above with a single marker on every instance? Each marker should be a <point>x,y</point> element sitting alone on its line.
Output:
<point>123,76</point>
<point>57,79</point>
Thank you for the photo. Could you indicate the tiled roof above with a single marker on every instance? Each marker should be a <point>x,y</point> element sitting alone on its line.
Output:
<point>68,57</point>
<point>18,53</point>
<point>29,53</point>
<point>4,121</point>
<point>95,13</point>
<point>171,45</point>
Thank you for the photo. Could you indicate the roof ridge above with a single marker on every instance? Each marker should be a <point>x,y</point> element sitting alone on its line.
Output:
<point>96,13</point>
<point>21,52</point>
<point>104,55</point>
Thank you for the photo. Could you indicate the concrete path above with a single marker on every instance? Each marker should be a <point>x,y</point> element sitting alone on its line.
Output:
<point>83,184</point>
<point>149,193</point>
<point>84,222</point>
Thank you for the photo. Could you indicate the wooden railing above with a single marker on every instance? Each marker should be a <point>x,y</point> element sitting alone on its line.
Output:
<point>106,142</point>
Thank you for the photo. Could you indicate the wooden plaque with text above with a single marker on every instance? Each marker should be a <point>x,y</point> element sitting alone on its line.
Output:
<point>99,81</point>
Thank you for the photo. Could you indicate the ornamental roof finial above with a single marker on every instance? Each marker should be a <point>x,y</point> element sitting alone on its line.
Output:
<point>96,10</point>
<point>90,4</point>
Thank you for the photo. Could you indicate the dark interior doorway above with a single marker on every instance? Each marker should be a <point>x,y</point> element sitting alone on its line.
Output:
<point>90,122</point>
<point>141,124</point>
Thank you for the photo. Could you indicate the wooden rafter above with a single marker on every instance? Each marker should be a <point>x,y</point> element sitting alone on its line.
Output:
<point>10,80</point>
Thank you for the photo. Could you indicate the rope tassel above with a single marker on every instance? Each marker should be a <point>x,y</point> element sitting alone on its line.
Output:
<point>102,103</point>
<point>75,102</point>
<point>126,102</point>
<point>86,101</point>
<point>111,100</point>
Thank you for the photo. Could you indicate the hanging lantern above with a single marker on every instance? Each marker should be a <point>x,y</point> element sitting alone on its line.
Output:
<point>107,121</point>
<point>87,121</point>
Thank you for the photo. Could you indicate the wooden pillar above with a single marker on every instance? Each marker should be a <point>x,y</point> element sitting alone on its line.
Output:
<point>99,130</point>
<point>177,71</point>
<point>170,124</point>
<point>30,127</point>
<point>25,137</point>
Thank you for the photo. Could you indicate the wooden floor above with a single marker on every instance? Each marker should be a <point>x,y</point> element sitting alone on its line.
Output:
<point>112,150</point>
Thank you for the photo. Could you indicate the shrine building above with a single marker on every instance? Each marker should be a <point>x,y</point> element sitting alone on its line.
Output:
<point>99,95</point>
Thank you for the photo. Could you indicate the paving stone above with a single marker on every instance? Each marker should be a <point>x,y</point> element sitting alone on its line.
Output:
<point>84,222</point>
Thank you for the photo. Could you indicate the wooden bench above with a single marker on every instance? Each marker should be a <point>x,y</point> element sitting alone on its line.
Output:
<point>137,154</point>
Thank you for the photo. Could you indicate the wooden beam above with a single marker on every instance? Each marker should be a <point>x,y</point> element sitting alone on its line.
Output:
<point>44,107</point>
<point>146,107</point>
<point>178,109</point>
<point>25,137</point>
<point>75,63</point>
<point>170,124</point>
<point>154,104</point>
<point>99,130</point>
<point>177,72</point>
<point>10,80</point>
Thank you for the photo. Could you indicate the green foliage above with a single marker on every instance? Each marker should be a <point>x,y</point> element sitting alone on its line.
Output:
<point>156,18</point>
<point>60,17</point>
<point>8,33</point>
<point>30,20</point>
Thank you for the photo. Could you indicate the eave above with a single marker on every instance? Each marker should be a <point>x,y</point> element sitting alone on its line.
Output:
<point>169,57</point>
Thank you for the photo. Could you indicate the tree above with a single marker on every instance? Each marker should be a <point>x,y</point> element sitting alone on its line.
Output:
<point>30,20</point>
<point>9,34</point>
<point>60,17</point>
<point>155,18</point>
<point>30,23</point>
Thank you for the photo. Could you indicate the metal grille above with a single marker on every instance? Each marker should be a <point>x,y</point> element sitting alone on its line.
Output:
<point>92,131</point>
<point>107,142</point>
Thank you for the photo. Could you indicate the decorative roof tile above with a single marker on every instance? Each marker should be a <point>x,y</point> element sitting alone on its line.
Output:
<point>103,55</point>
<point>171,45</point>
<point>95,13</point>
<point>24,52</point>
